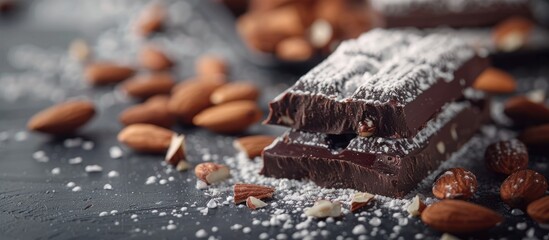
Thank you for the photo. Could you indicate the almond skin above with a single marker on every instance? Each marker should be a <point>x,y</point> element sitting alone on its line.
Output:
<point>253,146</point>
<point>241,192</point>
<point>536,138</point>
<point>232,117</point>
<point>457,216</point>
<point>523,187</point>
<point>210,66</point>
<point>512,33</point>
<point>145,113</point>
<point>103,73</point>
<point>211,173</point>
<point>190,98</point>
<point>154,59</point>
<point>151,19</point>
<point>539,210</point>
<point>63,118</point>
<point>294,49</point>
<point>524,112</point>
<point>146,138</point>
<point>455,183</point>
<point>234,92</point>
<point>146,86</point>
<point>506,157</point>
<point>496,81</point>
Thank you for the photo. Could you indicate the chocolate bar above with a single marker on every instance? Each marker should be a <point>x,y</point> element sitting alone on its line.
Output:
<point>386,83</point>
<point>453,13</point>
<point>390,167</point>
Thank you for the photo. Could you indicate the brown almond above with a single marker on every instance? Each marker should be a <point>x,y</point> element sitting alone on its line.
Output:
<point>190,98</point>
<point>241,192</point>
<point>524,112</point>
<point>496,81</point>
<point>154,59</point>
<point>62,118</point>
<point>253,146</point>
<point>146,138</point>
<point>536,138</point>
<point>455,183</point>
<point>209,66</point>
<point>294,49</point>
<point>457,216</point>
<point>147,113</point>
<point>232,117</point>
<point>539,210</point>
<point>506,157</point>
<point>523,187</point>
<point>102,73</point>
<point>151,19</point>
<point>211,173</point>
<point>176,151</point>
<point>234,92</point>
<point>512,34</point>
<point>145,86</point>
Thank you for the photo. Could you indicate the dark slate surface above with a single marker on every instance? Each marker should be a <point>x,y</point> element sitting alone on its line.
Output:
<point>34,204</point>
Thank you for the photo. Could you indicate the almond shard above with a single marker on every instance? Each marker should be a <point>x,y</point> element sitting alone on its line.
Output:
<point>254,203</point>
<point>324,209</point>
<point>416,207</point>
<point>211,173</point>
<point>360,200</point>
<point>176,151</point>
<point>242,191</point>
<point>253,146</point>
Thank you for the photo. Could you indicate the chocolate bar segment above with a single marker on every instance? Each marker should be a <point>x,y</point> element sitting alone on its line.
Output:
<point>386,83</point>
<point>390,167</point>
<point>453,13</point>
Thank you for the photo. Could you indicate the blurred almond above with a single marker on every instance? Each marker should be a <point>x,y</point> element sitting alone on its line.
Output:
<point>151,19</point>
<point>102,73</point>
<point>457,216</point>
<point>294,49</point>
<point>191,98</point>
<point>539,210</point>
<point>147,113</point>
<point>232,117</point>
<point>145,86</point>
<point>512,34</point>
<point>62,118</point>
<point>252,146</point>
<point>523,187</point>
<point>524,112</point>
<point>209,66</point>
<point>154,59</point>
<point>506,157</point>
<point>146,138</point>
<point>495,81</point>
<point>536,138</point>
<point>233,92</point>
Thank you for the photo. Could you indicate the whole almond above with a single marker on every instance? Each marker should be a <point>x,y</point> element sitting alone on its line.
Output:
<point>455,183</point>
<point>524,112</point>
<point>253,146</point>
<point>151,19</point>
<point>539,210</point>
<point>294,49</point>
<point>523,187</point>
<point>146,113</point>
<point>190,98</point>
<point>457,216</point>
<point>496,81</point>
<point>102,73</point>
<point>146,138</point>
<point>234,92</point>
<point>506,157</point>
<point>536,138</point>
<point>208,66</point>
<point>232,117</point>
<point>145,86</point>
<point>62,118</point>
<point>241,191</point>
<point>154,59</point>
<point>512,34</point>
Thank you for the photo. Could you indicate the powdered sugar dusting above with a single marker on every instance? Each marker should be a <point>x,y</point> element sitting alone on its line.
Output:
<point>439,7</point>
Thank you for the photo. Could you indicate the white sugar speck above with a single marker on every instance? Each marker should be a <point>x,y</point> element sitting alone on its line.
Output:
<point>56,171</point>
<point>150,180</point>
<point>77,189</point>
<point>76,160</point>
<point>107,187</point>
<point>133,216</point>
<point>20,136</point>
<point>102,214</point>
<point>171,227</point>
<point>212,203</point>
<point>163,181</point>
<point>359,229</point>
<point>40,156</point>
<point>113,212</point>
<point>88,145</point>
<point>375,221</point>
<point>115,152</point>
<point>71,184</point>
<point>201,233</point>
<point>201,185</point>
<point>113,174</point>
<point>93,168</point>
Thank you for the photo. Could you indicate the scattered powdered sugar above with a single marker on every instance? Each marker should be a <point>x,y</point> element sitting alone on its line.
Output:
<point>115,152</point>
<point>113,174</point>
<point>107,187</point>
<point>439,7</point>
<point>93,168</point>
<point>77,189</point>
<point>56,171</point>
<point>76,160</point>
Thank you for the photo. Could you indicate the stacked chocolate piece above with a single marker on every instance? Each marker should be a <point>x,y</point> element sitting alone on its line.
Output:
<point>379,114</point>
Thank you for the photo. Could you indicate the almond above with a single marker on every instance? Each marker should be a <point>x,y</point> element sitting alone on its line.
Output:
<point>457,216</point>
<point>536,138</point>
<point>455,183</point>
<point>539,210</point>
<point>62,118</point>
<point>145,86</point>
<point>176,151</point>
<point>506,157</point>
<point>211,173</point>
<point>191,98</point>
<point>253,146</point>
<point>512,34</point>
<point>154,59</point>
<point>234,92</point>
<point>146,138</point>
<point>254,203</point>
<point>102,73</point>
<point>523,187</point>
<point>153,111</point>
<point>208,66</point>
<point>151,19</point>
<point>294,49</point>
<point>324,209</point>
<point>524,112</point>
<point>243,191</point>
<point>232,117</point>
<point>416,207</point>
<point>496,81</point>
<point>360,200</point>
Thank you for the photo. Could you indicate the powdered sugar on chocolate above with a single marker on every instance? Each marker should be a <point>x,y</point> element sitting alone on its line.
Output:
<point>440,7</point>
